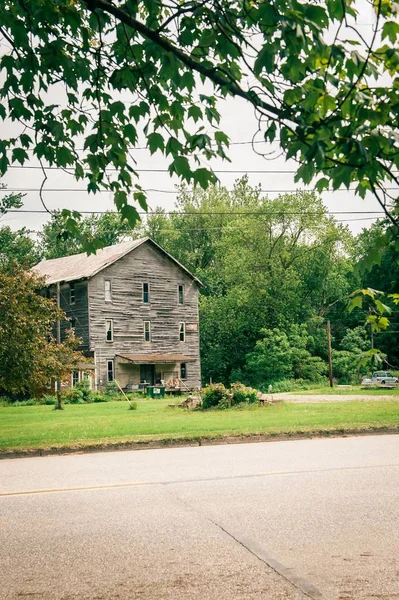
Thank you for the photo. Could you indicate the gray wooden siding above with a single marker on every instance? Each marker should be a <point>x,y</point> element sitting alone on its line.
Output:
<point>79,311</point>
<point>144,264</point>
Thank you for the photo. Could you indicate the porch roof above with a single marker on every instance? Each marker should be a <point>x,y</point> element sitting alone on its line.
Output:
<point>146,359</point>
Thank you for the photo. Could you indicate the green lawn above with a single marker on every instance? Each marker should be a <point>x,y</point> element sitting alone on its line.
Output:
<point>31,427</point>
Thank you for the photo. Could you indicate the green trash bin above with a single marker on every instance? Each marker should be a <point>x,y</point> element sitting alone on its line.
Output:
<point>156,391</point>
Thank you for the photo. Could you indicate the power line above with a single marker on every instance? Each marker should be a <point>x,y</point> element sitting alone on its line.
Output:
<point>237,171</point>
<point>129,232</point>
<point>242,171</point>
<point>239,143</point>
<point>64,190</point>
<point>226,213</point>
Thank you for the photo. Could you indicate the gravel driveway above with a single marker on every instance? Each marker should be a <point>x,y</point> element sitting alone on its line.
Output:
<point>316,398</point>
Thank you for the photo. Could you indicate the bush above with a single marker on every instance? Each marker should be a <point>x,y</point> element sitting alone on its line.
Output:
<point>73,396</point>
<point>213,395</point>
<point>242,394</point>
<point>29,402</point>
<point>286,385</point>
<point>84,387</point>
<point>97,397</point>
<point>49,400</point>
<point>133,406</point>
<point>112,389</point>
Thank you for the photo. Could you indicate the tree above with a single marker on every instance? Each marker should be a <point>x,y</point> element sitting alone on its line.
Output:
<point>18,246</point>
<point>279,355</point>
<point>107,229</point>
<point>136,66</point>
<point>266,264</point>
<point>10,201</point>
<point>29,356</point>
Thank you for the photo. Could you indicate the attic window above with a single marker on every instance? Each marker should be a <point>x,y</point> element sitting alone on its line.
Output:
<point>107,290</point>
<point>72,296</point>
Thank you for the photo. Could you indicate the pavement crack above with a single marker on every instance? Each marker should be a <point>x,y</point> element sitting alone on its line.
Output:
<point>288,574</point>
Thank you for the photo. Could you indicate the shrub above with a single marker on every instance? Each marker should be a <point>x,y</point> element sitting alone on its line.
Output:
<point>286,385</point>
<point>97,397</point>
<point>112,389</point>
<point>213,395</point>
<point>242,394</point>
<point>133,406</point>
<point>84,387</point>
<point>29,402</point>
<point>73,396</point>
<point>49,400</point>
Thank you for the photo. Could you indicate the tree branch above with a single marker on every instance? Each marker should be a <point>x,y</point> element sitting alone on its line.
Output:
<point>209,73</point>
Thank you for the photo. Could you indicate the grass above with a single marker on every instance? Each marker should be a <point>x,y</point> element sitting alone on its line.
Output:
<point>349,391</point>
<point>34,427</point>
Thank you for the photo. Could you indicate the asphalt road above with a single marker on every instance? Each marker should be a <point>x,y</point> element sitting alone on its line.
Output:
<point>276,521</point>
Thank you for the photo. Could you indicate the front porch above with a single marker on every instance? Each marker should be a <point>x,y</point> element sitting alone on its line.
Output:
<point>135,372</point>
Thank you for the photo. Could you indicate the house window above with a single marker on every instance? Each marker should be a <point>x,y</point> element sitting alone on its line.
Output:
<point>107,290</point>
<point>183,371</point>
<point>109,330</point>
<point>181,293</point>
<point>182,332</point>
<point>147,331</point>
<point>110,370</point>
<point>73,323</point>
<point>72,296</point>
<point>75,378</point>
<point>146,293</point>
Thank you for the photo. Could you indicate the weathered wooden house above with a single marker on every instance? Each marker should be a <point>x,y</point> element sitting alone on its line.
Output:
<point>135,309</point>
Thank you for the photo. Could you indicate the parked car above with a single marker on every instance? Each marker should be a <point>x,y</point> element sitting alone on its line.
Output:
<point>380,378</point>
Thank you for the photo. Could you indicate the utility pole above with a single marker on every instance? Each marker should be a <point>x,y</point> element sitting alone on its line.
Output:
<point>58,382</point>
<point>330,371</point>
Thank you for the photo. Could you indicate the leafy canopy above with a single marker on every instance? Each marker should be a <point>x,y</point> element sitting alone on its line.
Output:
<point>103,74</point>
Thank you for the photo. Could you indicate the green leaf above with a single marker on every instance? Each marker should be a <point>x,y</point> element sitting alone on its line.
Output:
<point>130,213</point>
<point>141,198</point>
<point>382,307</point>
<point>265,59</point>
<point>204,177</point>
<point>356,302</point>
<point>195,113</point>
<point>64,156</point>
<point>155,142</point>
<point>390,30</point>
<point>19,155</point>
<point>305,173</point>
<point>270,132</point>
<point>181,167</point>
<point>120,199</point>
<point>322,184</point>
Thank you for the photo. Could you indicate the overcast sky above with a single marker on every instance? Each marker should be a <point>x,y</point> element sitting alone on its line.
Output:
<point>239,122</point>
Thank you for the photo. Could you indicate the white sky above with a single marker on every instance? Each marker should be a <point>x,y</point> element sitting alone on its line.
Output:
<point>238,122</point>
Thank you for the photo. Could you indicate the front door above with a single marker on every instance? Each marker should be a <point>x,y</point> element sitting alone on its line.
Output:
<point>147,374</point>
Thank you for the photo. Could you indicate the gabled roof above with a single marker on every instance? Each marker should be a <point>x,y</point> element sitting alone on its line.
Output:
<point>82,266</point>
